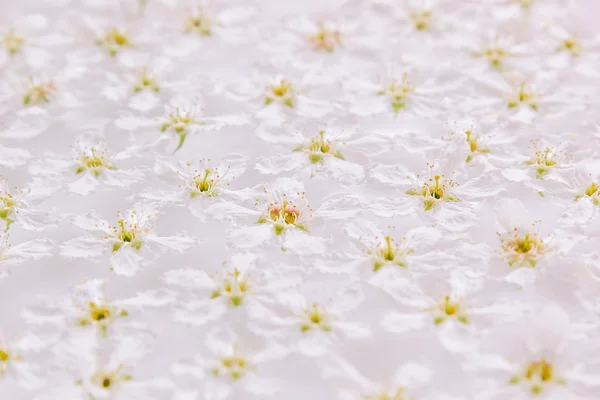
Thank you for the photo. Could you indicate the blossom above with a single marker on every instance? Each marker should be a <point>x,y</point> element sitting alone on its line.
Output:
<point>384,255</point>
<point>521,99</point>
<point>140,85</point>
<point>404,87</point>
<point>244,285</point>
<point>545,361</point>
<point>26,40</point>
<point>322,151</point>
<point>182,117</point>
<point>204,186</point>
<point>208,19</point>
<point>313,323</point>
<point>230,366</point>
<point>521,246</point>
<point>92,163</point>
<point>89,308</point>
<point>273,93</point>
<point>581,188</point>
<point>285,213</point>
<point>14,364</point>
<point>486,145</point>
<point>457,309</point>
<point>131,241</point>
<point>439,193</point>
<point>85,371</point>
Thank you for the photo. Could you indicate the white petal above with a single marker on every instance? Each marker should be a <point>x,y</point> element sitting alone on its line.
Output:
<point>189,278</point>
<point>84,247</point>
<point>13,157</point>
<point>126,261</point>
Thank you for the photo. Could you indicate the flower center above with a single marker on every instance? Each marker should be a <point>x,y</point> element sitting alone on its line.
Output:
<point>114,41</point>
<point>474,146</point>
<point>39,93</point>
<point>234,289</point>
<point>449,308</point>
<point>108,380</point>
<point>127,234</point>
<point>421,19</point>
<point>543,161</point>
<point>435,190</point>
<point>592,189</point>
<point>393,395</point>
<point>523,250</point>
<point>234,366</point>
<point>325,39</point>
<point>284,215</point>
<point>287,212</point>
<point>179,120</point>
<point>7,205</point>
<point>145,81</point>
<point>102,315</point>
<point>284,92</point>
<point>318,147</point>
<point>315,318</point>
<point>495,55</point>
<point>398,92</point>
<point>387,253</point>
<point>572,46</point>
<point>204,184</point>
<point>523,97</point>
<point>93,161</point>
<point>538,374</point>
<point>13,42</point>
<point>4,356</point>
<point>201,23</point>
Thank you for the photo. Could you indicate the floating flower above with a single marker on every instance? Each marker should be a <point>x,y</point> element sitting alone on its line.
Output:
<point>130,241</point>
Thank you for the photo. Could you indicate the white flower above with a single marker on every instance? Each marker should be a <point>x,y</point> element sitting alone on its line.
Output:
<point>521,98</point>
<point>14,363</point>
<point>203,186</point>
<point>183,117</point>
<point>284,212</point>
<point>140,85</point>
<point>440,194</point>
<point>407,88</point>
<point>388,256</point>
<point>542,164</point>
<point>207,19</point>
<point>231,366</point>
<point>491,148</point>
<point>131,241</point>
<point>274,96</point>
<point>583,190</point>
<point>88,307</point>
<point>545,360</point>
<point>313,323</point>
<point>26,39</point>
<point>243,286</point>
<point>92,163</point>
<point>520,246</point>
<point>458,310</point>
<point>322,151</point>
